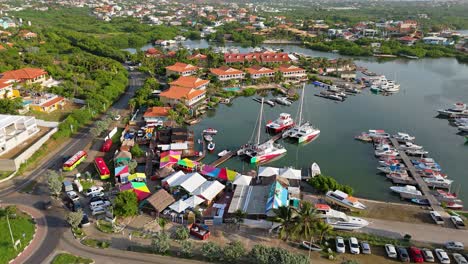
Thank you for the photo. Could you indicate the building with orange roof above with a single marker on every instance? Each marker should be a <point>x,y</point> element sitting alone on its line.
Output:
<point>25,75</point>
<point>187,90</point>
<point>292,72</point>
<point>257,72</point>
<point>156,115</point>
<point>190,82</point>
<point>182,69</point>
<point>197,56</point>
<point>26,34</point>
<point>6,89</point>
<point>226,73</point>
<point>47,103</point>
<point>153,53</point>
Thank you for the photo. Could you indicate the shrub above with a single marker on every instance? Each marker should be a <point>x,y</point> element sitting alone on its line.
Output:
<point>265,255</point>
<point>326,183</point>
<point>181,233</point>
<point>233,252</point>
<point>160,243</point>
<point>249,92</point>
<point>211,251</point>
<point>187,248</point>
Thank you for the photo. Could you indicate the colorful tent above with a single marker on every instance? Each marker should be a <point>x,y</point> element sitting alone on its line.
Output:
<point>122,172</point>
<point>227,175</point>
<point>169,158</point>
<point>139,177</point>
<point>139,188</point>
<point>187,163</point>
<point>210,171</point>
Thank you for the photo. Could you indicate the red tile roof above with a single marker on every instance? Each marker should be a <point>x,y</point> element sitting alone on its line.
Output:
<point>157,111</point>
<point>289,68</point>
<point>197,56</point>
<point>189,82</point>
<point>153,51</point>
<point>258,69</point>
<point>178,93</point>
<point>265,57</point>
<point>4,83</point>
<point>56,100</point>
<point>224,70</point>
<point>23,74</point>
<point>181,67</point>
<point>407,38</point>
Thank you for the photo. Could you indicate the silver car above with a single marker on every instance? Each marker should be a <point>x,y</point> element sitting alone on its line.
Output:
<point>459,259</point>
<point>427,254</point>
<point>340,245</point>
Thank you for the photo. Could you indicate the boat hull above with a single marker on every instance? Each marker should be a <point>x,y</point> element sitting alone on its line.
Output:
<point>309,138</point>
<point>278,129</point>
<point>267,157</point>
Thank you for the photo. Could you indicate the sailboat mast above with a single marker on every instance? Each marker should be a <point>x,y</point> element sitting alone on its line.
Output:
<point>260,123</point>
<point>300,108</point>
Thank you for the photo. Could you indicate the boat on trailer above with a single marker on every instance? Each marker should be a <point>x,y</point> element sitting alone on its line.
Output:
<point>311,246</point>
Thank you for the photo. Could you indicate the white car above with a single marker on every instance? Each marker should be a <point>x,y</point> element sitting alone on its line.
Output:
<point>73,196</point>
<point>442,256</point>
<point>427,254</point>
<point>340,245</point>
<point>94,189</point>
<point>353,245</point>
<point>391,252</point>
<point>98,211</point>
<point>98,204</point>
<point>97,194</point>
<point>459,259</point>
<point>454,245</point>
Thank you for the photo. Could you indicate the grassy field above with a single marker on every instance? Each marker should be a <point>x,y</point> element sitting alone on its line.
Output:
<point>57,115</point>
<point>104,226</point>
<point>95,243</point>
<point>4,174</point>
<point>65,258</point>
<point>21,224</point>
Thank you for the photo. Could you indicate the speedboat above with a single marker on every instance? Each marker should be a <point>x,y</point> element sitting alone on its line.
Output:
<point>211,146</point>
<point>210,131</point>
<point>339,220</point>
<point>403,137</point>
<point>364,137</point>
<point>416,152</point>
<point>270,103</point>
<point>423,167</point>
<point>458,110</point>
<point>377,133</point>
<point>391,162</point>
<point>407,189</point>
<point>315,170</point>
<point>420,201</point>
<point>411,146</point>
<point>454,205</point>
<point>431,173</point>
<point>446,196</point>
<point>208,138</point>
<point>343,199</point>
<point>438,182</point>
<point>283,101</point>
<point>383,146</point>
<point>283,122</point>
<point>393,169</point>
<point>223,153</point>
<point>463,128</point>
<point>387,153</point>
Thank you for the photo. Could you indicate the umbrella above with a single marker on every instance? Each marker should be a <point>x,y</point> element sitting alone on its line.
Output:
<point>169,158</point>
<point>242,180</point>
<point>140,189</point>
<point>179,206</point>
<point>187,163</point>
<point>210,171</point>
<point>226,174</point>
<point>193,201</point>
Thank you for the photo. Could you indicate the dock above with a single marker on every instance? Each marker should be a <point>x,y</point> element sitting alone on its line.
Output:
<point>433,202</point>
<point>223,159</point>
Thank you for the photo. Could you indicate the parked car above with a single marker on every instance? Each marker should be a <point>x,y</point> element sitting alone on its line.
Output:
<point>94,189</point>
<point>427,254</point>
<point>140,133</point>
<point>73,196</point>
<point>454,245</point>
<point>95,199</point>
<point>353,245</point>
<point>391,252</point>
<point>416,255</point>
<point>458,222</point>
<point>98,211</point>
<point>340,245</point>
<point>84,220</point>
<point>437,217</point>
<point>97,194</point>
<point>442,256</point>
<point>459,259</point>
<point>403,254</point>
<point>76,205</point>
<point>99,204</point>
<point>365,247</point>
<point>46,205</point>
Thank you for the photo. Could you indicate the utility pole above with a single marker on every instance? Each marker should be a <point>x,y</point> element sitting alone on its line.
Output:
<point>11,233</point>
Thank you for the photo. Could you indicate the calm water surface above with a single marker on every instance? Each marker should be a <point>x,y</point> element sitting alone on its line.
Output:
<point>426,85</point>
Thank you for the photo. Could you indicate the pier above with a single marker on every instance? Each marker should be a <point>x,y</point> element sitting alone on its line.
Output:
<point>433,202</point>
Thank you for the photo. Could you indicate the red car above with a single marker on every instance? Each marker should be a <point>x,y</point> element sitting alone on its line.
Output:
<point>416,255</point>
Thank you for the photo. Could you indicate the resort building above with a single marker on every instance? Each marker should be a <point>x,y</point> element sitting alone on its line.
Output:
<point>257,72</point>
<point>437,41</point>
<point>188,90</point>
<point>156,115</point>
<point>6,89</point>
<point>260,57</point>
<point>181,69</point>
<point>47,103</point>
<point>153,53</point>
<point>25,75</point>
<point>226,73</point>
<point>292,72</point>
<point>15,130</point>
<point>197,56</point>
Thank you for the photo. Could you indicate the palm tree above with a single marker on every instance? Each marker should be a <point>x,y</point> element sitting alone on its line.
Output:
<point>304,223</point>
<point>239,216</point>
<point>322,228</point>
<point>285,216</point>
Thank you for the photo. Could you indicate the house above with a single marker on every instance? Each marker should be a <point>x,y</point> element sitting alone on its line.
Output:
<point>6,22</point>
<point>153,53</point>
<point>407,40</point>
<point>156,115</point>
<point>26,34</point>
<point>16,130</point>
<point>6,89</point>
<point>186,89</point>
<point>292,72</point>
<point>197,56</point>
<point>25,75</point>
<point>47,103</point>
<point>438,41</point>
<point>181,69</point>
<point>226,73</point>
<point>265,57</point>
<point>257,72</point>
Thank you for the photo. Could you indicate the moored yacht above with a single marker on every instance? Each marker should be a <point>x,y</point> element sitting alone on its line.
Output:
<point>407,189</point>
<point>339,220</point>
<point>438,182</point>
<point>458,110</point>
<point>401,137</point>
<point>345,200</point>
<point>283,122</point>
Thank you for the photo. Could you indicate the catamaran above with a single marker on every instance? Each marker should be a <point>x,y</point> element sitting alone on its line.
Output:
<point>283,122</point>
<point>303,131</point>
<point>261,153</point>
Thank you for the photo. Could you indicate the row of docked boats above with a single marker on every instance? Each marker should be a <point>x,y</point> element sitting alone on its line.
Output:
<point>208,137</point>
<point>380,83</point>
<point>458,115</point>
<point>391,164</point>
<point>336,93</point>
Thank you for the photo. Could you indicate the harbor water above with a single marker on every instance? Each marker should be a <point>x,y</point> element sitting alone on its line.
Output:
<point>426,85</point>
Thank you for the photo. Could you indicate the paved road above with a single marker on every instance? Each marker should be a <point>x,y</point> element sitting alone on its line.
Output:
<point>419,232</point>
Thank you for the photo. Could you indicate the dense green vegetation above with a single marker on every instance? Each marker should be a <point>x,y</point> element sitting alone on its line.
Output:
<point>237,33</point>
<point>65,258</point>
<point>10,106</point>
<point>326,183</point>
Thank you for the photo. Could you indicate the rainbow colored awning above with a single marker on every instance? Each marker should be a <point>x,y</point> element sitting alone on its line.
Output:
<point>169,158</point>
<point>140,189</point>
<point>187,163</point>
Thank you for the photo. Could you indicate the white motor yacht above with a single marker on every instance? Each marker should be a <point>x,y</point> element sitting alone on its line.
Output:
<point>411,146</point>
<point>339,220</point>
<point>458,110</point>
<point>345,200</point>
<point>408,189</point>
<point>438,182</point>
<point>403,137</point>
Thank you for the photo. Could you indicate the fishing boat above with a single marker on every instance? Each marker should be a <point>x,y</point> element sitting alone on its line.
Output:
<point>315,170</point>
<point>402,137</point>
<point>283,122</point>
<point>343,199</point>
<point>283,101</point>
<point>223,153</point>
<point>211,146</point>
<point>339,220</point>
<point>454,205</point>
<point>210,131</point>
<point>438,182</point>
<point>420,201</point>
<point>311,246</point>
<point>458,110</point>
<point>302,131</point>
<point>261,153</point>
<point>407,189</point>
<point>208,138</point>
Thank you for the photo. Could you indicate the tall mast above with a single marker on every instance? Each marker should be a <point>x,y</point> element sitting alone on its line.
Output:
<point>300,108</point>
<point>260,123</point>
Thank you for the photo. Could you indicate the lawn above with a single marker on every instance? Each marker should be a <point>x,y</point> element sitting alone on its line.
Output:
<point>57,115</point>
<point>4,174</point>
<point>104,226</point>
<point>95,243</point>
<point>65,258</point>
<point>21,224</point>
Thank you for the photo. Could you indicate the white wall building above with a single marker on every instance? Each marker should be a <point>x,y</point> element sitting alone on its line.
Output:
<point>15,130</point>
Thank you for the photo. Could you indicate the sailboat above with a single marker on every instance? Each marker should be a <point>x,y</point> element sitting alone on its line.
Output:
<point>303,131</point>
<point>261,153</point>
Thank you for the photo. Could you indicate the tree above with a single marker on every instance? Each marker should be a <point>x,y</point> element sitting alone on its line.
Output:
<point>160,243</point>
<point>11,106</point>
<point>182,233</point>
<point>233,252</point>
<point>74,218</point>
<point>304,223</point>
<point>162,222</point>
<point>54,182</point>
<point>132,165</point>
<point>211,251</point>
<point>137,151</point>
<point>322,228</point>
<point>126,204</point>
<point>187,248</point>
<point>284,215</point>
<point>239,216</point>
